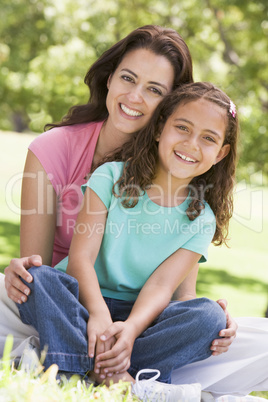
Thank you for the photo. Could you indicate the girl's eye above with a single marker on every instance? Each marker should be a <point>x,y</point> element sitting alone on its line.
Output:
<point>156,91</point>
<point>182,128</point>
<point>210,139</point>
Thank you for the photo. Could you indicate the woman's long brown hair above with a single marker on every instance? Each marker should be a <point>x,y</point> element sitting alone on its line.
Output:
<point>159,40</point>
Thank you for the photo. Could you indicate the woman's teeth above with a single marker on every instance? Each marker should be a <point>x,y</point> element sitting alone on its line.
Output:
<point>130,112</point>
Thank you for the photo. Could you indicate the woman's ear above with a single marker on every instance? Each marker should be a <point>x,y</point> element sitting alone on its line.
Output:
<point>109,81</point>
<point>224,151</point>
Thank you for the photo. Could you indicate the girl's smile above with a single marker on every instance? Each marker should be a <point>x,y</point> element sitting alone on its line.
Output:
<point>185,157</point>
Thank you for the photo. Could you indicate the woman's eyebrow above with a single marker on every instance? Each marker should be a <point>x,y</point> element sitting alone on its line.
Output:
<point>150,82</point>
<point>129,71</point>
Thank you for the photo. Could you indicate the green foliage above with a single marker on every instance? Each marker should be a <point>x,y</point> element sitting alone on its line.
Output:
<point>46,48</point>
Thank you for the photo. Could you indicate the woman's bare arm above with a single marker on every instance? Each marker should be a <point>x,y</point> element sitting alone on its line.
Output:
<point>38,222</point>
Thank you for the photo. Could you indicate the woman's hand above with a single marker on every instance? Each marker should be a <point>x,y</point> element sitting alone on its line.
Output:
<point>16,289</point>
<point>228,335</point>
<point>117,359</point>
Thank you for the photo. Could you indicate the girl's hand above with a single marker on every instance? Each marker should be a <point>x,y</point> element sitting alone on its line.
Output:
<point>16,289</point>
<point>95,327</point>
<point>222,345</point>
<point>117,359</point>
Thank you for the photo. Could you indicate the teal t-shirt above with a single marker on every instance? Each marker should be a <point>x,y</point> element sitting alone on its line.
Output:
<point>137,240</point>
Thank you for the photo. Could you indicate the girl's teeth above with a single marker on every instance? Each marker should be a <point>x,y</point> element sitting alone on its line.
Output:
<point>185,158</point>
<point>130,112</point>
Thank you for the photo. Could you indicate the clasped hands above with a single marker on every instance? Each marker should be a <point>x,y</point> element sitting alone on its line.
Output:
<point>111,344</point>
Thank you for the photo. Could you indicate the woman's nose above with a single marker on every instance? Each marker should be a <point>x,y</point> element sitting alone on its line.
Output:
<point>135,95</point>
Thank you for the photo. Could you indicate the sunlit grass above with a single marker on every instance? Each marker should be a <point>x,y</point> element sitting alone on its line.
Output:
<point>38,386</point>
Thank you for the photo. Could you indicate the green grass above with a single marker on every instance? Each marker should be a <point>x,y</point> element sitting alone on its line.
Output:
<point>38,386</point>
<point>238,273</point>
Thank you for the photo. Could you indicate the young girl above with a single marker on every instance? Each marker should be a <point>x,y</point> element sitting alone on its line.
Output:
<point>147,219</point>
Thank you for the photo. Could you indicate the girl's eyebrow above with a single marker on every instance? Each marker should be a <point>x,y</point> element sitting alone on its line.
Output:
<point>192,124</point>
<point>150,82</point>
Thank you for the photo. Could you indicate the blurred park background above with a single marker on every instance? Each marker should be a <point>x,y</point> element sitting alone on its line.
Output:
<point>46,48</point>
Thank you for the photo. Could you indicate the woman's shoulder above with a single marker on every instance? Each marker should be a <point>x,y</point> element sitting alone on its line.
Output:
<point>68,134</point>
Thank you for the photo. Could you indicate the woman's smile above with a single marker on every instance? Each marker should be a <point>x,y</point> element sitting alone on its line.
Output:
<point>130,112</point>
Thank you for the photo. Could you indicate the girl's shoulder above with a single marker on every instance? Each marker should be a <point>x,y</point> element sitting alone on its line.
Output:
<point>111,169</point>
<point>207,213</point>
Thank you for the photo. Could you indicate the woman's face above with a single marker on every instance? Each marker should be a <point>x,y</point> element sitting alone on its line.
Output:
<point>136,87</point>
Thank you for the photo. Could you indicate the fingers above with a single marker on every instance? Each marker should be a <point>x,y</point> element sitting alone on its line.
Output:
<point>33,260</point>
<point>221,345</point>
<point>117,364</point>
<point>116,359</point>
<point>92,345</point>
<point>223,303</point>
<point>16,289</point>
<point>111,331</point>
<point>230,331</point>
<point>228,335</point>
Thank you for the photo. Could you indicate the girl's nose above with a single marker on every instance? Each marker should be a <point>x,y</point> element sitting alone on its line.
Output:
<point>192,142</point>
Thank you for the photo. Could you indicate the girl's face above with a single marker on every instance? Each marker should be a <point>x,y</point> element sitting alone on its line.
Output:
<point>192,140</point>
<point>136,87</point>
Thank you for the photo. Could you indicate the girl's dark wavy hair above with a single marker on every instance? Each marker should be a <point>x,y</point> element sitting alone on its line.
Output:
<point>159,40</point>
<point>141,156</point>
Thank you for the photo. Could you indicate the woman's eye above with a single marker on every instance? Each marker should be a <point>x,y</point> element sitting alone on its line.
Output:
<point>127,78</point>
<point>156,91</point>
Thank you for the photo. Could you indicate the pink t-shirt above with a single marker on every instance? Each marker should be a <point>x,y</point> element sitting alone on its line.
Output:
<point>66,153</point>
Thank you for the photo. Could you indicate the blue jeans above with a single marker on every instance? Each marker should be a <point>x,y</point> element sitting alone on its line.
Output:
<point>180,335</point>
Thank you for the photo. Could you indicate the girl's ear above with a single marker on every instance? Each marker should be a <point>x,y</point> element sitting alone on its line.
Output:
<point>223,152</point>
<point>157,138</point>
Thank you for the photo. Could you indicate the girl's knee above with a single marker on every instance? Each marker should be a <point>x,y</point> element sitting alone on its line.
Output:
<point>38,274</point>
<point>213,315</point>
<point>51,280</point>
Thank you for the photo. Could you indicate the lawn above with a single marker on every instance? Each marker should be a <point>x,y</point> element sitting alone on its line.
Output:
<point>238,273</point>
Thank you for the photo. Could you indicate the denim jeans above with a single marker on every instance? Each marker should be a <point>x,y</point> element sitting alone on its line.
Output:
<point>180,335</point>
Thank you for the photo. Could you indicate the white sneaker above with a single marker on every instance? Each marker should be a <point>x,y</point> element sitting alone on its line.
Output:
<point>155,391</point>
